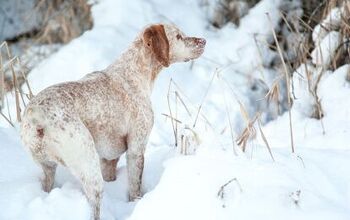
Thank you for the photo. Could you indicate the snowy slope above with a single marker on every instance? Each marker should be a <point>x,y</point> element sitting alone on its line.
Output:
<point>290,188</point>
<point>313,183</point>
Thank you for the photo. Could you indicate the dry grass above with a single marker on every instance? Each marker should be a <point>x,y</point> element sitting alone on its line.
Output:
<point>2,83</point>
<point>62,20</point>
<point>340,58</point>
<point>221,192</point>
<point>205,96</point>
<point>175,131</point>
<point>189,141</point>
<point>185,129</point>
<point>229,11</point>
<point>345,30</point>
<point>249,133</point>
<point>302,27</point>
<point>303,53</point>
<point>273,94</point>
<point>20,97</point>
<point>287,79</point>
<point>231,127</point>
<point>186,139</point>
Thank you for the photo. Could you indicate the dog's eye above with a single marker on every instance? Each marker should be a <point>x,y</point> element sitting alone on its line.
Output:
<point>178,36</point>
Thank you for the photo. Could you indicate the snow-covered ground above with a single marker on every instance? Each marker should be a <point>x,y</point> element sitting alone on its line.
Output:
<point>210,182</point>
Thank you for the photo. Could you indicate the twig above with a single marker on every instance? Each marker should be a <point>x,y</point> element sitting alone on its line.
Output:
<point>8,120</point>
<point>287,83</point>
<point>2,82</point>
<point>171,115</point>
<point>301,159</point>
<point>8,108</point>
<point>205,95</point>
<point>25,80</point>
<point>180,91</point>
<point>15,85</point>
<point>222,188</point>
<point>176,127</point>
<point>230,125</point>
<point>172,118</point>
<point>264,138</point>
<point>183,103</point>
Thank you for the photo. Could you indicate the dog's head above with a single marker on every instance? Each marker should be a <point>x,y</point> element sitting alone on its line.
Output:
<point>170,45</point>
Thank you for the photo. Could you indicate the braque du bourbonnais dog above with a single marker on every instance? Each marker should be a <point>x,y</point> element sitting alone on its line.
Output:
<point>86,125</point>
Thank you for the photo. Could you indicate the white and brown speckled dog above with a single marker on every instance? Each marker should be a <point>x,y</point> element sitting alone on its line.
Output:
<point>88,124</point>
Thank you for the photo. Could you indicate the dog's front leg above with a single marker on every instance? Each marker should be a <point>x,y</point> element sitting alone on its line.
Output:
<point>137,139</point>
<point>136,143</point>
<point>135,164</point>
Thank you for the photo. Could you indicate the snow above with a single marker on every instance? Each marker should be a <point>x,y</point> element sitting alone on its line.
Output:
<point>312,183</point>
<point>332,90</point>
<point>327,38</point>
<point>264,190</point>
<point>305,81</point>
<point>326,50</point>
<point>331,22</point>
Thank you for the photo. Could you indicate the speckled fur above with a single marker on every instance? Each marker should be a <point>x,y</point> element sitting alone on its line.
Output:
<point>86,125</point>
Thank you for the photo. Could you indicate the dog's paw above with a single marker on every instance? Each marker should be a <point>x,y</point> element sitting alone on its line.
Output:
<point>110,177</point>
<point>134,198</point>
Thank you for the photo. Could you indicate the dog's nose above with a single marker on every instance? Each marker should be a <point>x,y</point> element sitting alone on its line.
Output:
<point>201,41</point>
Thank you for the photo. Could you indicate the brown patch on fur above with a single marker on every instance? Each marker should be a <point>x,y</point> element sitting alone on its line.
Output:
<point>40,132</point>
<point>155,38</point>
<point>125,140</point>
<point>59,160</point>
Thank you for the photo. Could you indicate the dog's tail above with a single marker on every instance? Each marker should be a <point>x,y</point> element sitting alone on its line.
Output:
<point>33,130</point>
<point>34,118</point>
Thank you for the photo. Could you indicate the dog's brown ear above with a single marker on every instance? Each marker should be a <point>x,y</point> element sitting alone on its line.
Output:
<point>155,38</point>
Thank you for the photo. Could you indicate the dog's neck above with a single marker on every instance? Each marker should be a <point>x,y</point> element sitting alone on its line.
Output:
<point>138,65</point>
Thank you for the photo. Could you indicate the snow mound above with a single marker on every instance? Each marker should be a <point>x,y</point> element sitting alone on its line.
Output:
<point>294,187</point>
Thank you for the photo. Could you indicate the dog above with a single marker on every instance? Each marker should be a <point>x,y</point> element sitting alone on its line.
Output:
<point>86,125</point>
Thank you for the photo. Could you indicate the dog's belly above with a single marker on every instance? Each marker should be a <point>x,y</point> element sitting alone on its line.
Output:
<point>109,138</point>
<point>109,152</point>
<point>110,149</point>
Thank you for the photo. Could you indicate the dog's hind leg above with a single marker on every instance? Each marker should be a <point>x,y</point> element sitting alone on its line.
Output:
<point>77,151</point>
<point>49,169</point>
<point>109,169</point>
<point>86,168</point>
